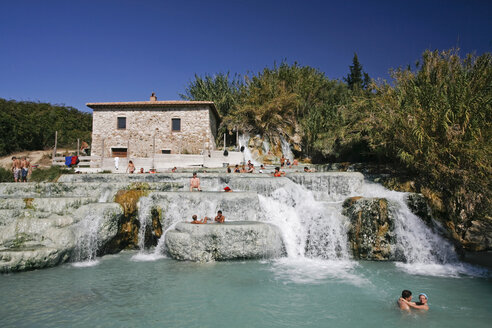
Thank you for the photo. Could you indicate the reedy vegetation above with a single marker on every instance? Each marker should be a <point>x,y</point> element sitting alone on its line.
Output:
<point>434,120</point>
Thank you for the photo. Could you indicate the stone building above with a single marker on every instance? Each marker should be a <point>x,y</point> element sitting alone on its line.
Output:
<point>149,128</point>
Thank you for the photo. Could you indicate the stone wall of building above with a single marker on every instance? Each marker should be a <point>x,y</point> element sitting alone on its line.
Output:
<point>142,124</point>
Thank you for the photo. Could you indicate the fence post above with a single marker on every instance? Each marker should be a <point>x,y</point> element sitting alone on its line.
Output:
<point>54,149</point>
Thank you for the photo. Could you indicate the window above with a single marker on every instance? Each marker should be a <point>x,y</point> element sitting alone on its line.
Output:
<point>166,151</point>
<point>122,123</point>
<point>119,152</point>
<point>176,124</point>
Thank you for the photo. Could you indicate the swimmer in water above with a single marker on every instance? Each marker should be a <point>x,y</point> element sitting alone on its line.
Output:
<point>420,305</point>
<point>196,221</point>
<point>406,297</point>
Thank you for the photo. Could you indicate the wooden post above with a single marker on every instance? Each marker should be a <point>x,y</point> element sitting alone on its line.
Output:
<point>54,149</point>
<point>224,141</point>
<point>237,138</point>
<point>78,147</point>
<point>102,154</point>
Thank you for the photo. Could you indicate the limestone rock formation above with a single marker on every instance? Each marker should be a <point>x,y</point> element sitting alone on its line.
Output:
<point>31,238</point>
<point>371,233</point>
<point>418,205</point>
<point>228,241</point>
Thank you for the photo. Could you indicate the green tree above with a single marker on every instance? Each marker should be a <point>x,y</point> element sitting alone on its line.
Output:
<point>357,79</point>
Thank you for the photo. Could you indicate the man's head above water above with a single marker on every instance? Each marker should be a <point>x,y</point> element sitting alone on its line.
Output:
<point>406,294</point>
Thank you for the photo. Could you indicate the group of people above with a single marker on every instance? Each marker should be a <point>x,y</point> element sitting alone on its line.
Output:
<point>286,162</point>
<point>219,219</point>
<point>21,168</point>
<point>405,301</point>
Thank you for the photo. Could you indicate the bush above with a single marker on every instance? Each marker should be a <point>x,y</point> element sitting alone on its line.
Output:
<point>6,175</point>
<point>49,175</point>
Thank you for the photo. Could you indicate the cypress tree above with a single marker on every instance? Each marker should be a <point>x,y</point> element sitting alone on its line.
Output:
<point>357,79</point>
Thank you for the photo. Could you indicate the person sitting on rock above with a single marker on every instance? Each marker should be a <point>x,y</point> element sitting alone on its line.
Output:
<point>195,183</point>
<point>196,221</point>
<point>236,169</point>
<point>219,218</point>
<point>278,173</point>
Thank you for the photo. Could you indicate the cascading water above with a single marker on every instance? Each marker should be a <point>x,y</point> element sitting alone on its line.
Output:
<point>145,218</point>
<point>243,142</point>
<point>286,151</point>
<point>266,146</point>
<point>310,228</point>
<point>424,250</point>
<point>87,240</point>
<point>103,198</point>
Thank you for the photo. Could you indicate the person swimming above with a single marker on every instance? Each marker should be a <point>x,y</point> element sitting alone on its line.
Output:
<point>405,301</point>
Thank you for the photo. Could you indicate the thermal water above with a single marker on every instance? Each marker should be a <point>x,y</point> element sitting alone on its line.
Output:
<point>424,250</point>
<point>286,151</point>
<point>87,244</point>
<point>243,142</point>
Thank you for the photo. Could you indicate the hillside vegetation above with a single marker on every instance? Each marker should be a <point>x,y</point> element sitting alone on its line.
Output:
<point>32,126</point>
<point>434,120</point>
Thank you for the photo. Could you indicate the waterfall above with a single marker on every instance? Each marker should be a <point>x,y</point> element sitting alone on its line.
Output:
<point>286,151</point>
<point>87,240</point>
<point>310,228</point>
<point>103,198</point>
<point>144,218</point>
<point>266,146</point>
<point>424,250</point>
<point>243,142</point>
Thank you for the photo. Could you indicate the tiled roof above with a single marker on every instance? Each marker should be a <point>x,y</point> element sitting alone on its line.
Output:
<point>153,104</point>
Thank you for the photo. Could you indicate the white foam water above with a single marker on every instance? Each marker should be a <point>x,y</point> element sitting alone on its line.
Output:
<point>145,219</point>
<point>424,250</point>
<point>243,142</point>
<point>310,228</point>
<point>286,151</point>
<point>87,240</point>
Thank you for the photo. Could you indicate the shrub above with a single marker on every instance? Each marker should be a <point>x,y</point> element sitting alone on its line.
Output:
<point>6,175</point>
<point>49,175</point>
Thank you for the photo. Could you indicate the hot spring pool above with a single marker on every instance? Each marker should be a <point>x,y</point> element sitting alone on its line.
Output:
<point>121,291</point>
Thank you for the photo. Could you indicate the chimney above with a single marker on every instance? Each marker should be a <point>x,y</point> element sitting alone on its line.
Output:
<point>153,97</point>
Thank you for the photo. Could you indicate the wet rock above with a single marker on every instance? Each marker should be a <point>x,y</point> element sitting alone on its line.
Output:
<point>419,206</point>
<point>371,232</point>
<point>228,241</point>
<point>34,239</point>
<point>478,237</point>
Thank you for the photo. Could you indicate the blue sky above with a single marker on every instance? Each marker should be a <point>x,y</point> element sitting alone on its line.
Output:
<point>74,52</point>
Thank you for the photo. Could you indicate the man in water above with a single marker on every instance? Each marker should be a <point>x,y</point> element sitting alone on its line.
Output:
<point>420,305</point>
<point>195,221</point>
<point>406,297</point>
<point>219,218</point>
<point>195,183</point>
